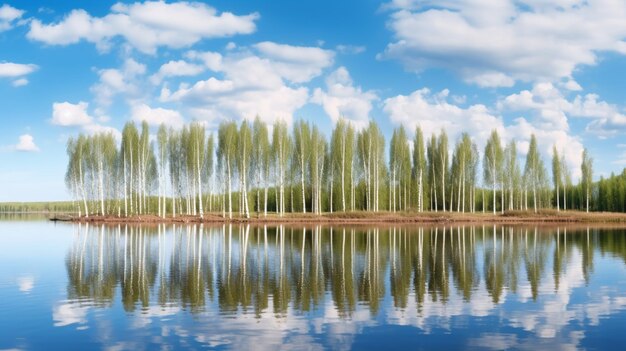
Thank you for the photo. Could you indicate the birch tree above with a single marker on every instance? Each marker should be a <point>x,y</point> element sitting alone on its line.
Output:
<point>162,144</point>
<point>342,153</point>
<point>261,160</point>
<point>556,175</point>
<point>442,157</point>
<point>586,168</point>
<point>281,149</point>
<point>302,140</point>
<point>195,160</point>
<point>226,153</point>
<point>317,162</point>
<point>534,170</point>
<point>512,173</point>
<point>208,168</point>
<point>244,153</point>
<point>419,166</point>
<point>492,164</point>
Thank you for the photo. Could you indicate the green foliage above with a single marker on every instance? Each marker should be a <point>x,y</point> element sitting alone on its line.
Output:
<point>185,171</point>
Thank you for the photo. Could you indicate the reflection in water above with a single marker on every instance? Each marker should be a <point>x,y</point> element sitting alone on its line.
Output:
<point>421,276</point>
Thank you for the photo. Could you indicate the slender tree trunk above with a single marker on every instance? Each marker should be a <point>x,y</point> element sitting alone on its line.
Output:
<point>483,197</point>
<point>443,181</point>
<point>564,197</point>
<point>132,183</point>
<point>393,189</point>
<point>265,196</point>
<point>302,181</point>
<point>343,173</point>
<point>434,187</point>
<point>332,173</point>
<point>101,184</point>
<point>558,207</point>
<point>419,191</point>
<point>535,197</point>
<point>464,182</point>
<point>199,176</point>
<point>493,189</point>
<point>245,191</point>
<point>125,189</point>
<point>228,181</point>
<point>502,197</point>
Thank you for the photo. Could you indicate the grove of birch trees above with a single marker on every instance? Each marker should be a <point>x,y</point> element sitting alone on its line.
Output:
<point>255,169</point>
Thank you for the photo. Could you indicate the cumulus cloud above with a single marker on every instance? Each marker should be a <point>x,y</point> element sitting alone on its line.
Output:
<point>145,26</point>
<point>114,81</point>
<point>432,112</point>
<point>26,143</point>
<point>263,80</point>
<point>297,64</point>
<point>551,108</point>
<point>178,68</point>
<point>67,114</point>
<point>156,116</point>
<point>496,43</point>
<point>342,99</point>
<point>8,15</point>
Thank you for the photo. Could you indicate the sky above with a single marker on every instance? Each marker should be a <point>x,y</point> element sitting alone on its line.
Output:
<point>551,68</point>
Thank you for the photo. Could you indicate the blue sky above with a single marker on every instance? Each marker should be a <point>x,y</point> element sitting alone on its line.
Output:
<point>552,68</point>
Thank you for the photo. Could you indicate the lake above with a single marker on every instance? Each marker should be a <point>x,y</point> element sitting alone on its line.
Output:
<point>238,287</point>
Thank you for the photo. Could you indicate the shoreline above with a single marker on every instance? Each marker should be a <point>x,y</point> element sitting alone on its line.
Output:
<point>514,217</point>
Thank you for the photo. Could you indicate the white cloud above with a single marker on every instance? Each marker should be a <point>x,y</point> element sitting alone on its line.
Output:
<point>350,49</point>
<point>67,114</point>
<point>342,99</point>
<point>297,64</point>
<point>212,60</point>
<point>495,43</point>
<point>13,70</point>
<point>550,109</point>
<point>432,112</point>
<point>20,82</point>
<point>8,15</point>
<point>156,116</point>
<point>16,71</point>
<point>545,101</point>
<point>264,81</point>
<point>145,26</point>
<point>178,68</point>
<point>26,143</point>
<point>114,81</point>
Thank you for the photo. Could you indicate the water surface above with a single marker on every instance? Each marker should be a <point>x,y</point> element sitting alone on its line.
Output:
<point>72,286</point>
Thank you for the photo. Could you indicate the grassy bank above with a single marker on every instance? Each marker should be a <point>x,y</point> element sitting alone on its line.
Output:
<point>512,217</point>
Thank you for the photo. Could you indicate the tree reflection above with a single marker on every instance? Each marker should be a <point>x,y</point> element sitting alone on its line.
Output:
<point>276,269</point>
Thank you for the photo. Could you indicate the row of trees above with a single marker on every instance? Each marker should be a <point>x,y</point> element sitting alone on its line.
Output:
<point>251,167</point>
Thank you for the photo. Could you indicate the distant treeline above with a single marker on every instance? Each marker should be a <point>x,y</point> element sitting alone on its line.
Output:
<point>245,168</point>
<point>57,206</point>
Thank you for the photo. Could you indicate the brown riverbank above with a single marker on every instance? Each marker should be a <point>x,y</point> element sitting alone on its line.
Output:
<point>510,217</point>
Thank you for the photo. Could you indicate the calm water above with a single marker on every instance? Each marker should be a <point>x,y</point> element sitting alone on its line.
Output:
<point>70,286</point>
